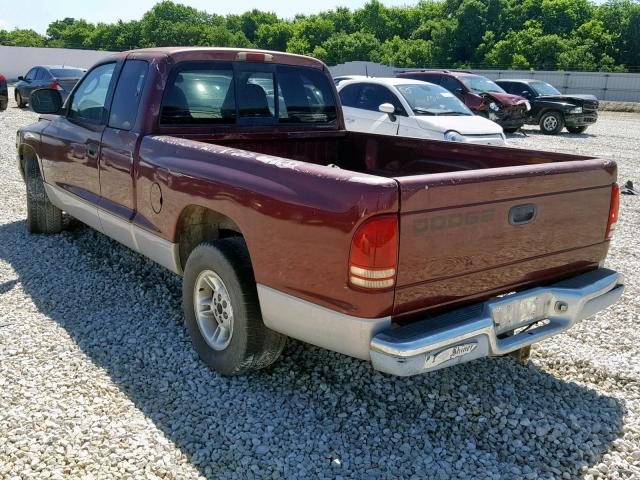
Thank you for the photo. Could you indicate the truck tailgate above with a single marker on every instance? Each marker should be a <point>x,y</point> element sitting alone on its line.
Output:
<point>470,235</point>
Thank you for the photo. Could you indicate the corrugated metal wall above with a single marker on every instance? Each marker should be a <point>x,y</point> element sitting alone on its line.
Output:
<point>622,87</point>
<point>15,61</point>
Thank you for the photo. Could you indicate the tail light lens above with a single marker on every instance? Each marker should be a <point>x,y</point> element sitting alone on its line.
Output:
<point>55,85</point>
<point>2,78</point>
<point>374,254</point>
<point>613,211</point>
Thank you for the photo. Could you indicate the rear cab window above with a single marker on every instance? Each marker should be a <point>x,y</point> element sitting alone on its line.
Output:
<point>228,93</point>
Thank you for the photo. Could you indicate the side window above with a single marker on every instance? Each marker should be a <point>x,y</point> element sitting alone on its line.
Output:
<point>349,95</point>
<point>31,74</point>
<point>200,94</point>
<point>518,88</point>
<point>89,101</point>
<point>126,98</point>
<point>508,87</point>
<point>42,74</point>
<point>450,84</point>
<point>372,96</point>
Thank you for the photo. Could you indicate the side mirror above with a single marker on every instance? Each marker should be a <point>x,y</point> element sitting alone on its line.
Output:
<point>46,100</point>
<point>526,94</point>
<point>458,91</point>
<point>21,78</point>
<point>387,108</point>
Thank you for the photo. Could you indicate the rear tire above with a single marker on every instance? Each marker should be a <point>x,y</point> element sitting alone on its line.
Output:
<point>577,129</point>
<point>222,311</point>
<point>42,215</point>
<point>20,100</point>
<point>551,123</point>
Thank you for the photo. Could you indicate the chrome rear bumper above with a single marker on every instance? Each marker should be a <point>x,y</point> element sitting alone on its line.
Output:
<point>479,330</point>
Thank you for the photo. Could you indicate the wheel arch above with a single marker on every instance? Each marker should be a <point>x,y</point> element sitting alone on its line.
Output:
<point>197,224</point>
<point>25,152</point>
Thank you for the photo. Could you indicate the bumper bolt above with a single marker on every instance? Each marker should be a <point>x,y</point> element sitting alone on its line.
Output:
<point>561,307</point>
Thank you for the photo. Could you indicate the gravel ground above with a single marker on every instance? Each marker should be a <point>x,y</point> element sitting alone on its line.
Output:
<point>98,378</point>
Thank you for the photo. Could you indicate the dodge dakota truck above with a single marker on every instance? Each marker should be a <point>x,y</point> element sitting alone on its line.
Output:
<point>233,168</point>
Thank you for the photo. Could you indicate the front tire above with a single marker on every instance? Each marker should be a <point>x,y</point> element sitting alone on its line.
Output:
<point>20,100</point>
<point>42,215</point>
<point>577,129</point>
<point>222,311</point>
<point>551,123</point>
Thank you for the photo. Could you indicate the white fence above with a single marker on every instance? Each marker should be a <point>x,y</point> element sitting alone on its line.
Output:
<point>15,61</point>
<point>621,87</point>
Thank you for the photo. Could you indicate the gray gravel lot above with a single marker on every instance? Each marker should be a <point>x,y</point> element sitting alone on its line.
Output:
<point>98,378</point>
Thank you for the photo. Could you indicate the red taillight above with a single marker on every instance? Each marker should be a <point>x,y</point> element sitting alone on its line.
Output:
<point>374,254</point>
<point>613,211</point>
<point>2,78</point>
<point>254,57</point>
<point>55,85</point>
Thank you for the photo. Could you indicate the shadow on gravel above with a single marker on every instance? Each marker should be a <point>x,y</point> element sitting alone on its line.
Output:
<point>538,133</point>
<point>488,418</point>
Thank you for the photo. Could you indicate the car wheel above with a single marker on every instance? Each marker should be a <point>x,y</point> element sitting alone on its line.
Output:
<point>577,129</point>
<point>20,100</point>
<point>42,215</point>
<point>222,311</point>
<point>3,103</point>
<point>551,123</point>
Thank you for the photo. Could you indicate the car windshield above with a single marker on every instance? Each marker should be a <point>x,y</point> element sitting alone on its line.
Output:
<point>480,84</point>
<point>67,72</point>
<point>426,99</point>
<point>543,88</point>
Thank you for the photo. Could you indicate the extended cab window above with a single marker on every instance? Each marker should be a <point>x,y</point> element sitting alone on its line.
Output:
<point>126,98</point>
<point>217,93</point>
<point>89,100</point>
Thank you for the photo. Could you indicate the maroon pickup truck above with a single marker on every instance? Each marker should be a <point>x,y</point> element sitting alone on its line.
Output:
<point>233,169</point>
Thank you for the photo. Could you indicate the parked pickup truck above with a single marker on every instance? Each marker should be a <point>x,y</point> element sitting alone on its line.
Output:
<point>233,168</point>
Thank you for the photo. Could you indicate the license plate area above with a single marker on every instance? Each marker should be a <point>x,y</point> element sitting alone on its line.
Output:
<point>509,314</point>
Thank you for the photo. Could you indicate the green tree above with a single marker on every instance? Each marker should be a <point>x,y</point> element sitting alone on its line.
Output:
<point>561,17</point>
<point>343,47</point>
<point>24,38</point>
<point>274,36</point>
<point>405,53</point>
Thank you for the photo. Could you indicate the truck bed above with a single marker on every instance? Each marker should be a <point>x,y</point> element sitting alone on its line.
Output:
<point>457,244</point>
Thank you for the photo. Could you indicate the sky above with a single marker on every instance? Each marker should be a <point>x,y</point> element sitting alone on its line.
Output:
<point>37,14</point>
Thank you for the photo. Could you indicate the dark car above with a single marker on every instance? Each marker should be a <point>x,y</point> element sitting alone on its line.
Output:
<point>551,109</point>
<point>483,96</point>
<point>4,93</point>
<point>62,78</point>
